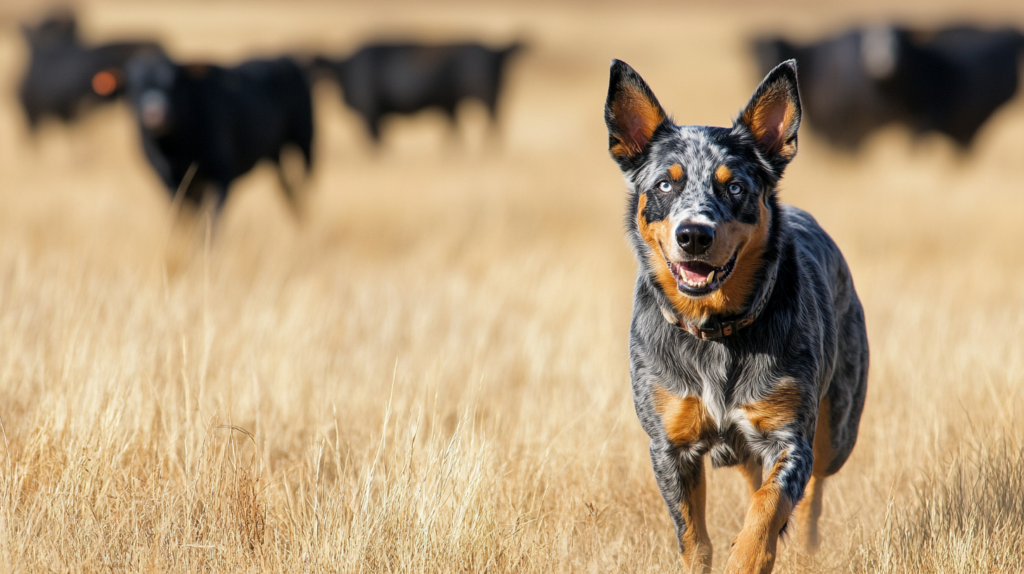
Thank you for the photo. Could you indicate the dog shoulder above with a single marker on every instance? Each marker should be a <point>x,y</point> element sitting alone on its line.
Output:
<point>817,252</point>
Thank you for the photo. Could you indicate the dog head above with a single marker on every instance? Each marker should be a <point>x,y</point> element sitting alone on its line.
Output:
<point>702,197</point>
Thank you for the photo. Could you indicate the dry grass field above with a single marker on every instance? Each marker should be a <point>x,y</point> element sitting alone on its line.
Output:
<point>429,373</point>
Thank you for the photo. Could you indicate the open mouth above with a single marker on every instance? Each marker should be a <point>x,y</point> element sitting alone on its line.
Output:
<point>697,278</point>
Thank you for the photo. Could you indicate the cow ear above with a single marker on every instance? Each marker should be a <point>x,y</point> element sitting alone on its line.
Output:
<point>632,114</point>
<point>772,117</point>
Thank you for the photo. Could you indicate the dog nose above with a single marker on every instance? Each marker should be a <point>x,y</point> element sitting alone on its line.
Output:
<point>695,239</point>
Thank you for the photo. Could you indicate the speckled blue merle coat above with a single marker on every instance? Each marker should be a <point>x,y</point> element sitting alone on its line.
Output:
<point>748,341</point>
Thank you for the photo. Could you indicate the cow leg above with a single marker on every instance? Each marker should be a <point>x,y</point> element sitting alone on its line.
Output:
<point>290,192</point>
<point>373,126</point>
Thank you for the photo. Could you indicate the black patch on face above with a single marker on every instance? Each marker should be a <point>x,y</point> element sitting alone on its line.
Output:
<point>700,151</point>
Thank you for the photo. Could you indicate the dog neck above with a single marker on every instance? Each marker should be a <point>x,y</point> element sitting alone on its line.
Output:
<point>718,326</point>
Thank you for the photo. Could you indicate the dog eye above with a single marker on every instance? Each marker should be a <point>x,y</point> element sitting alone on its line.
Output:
<point>735,188</point>
<point>665,186</point>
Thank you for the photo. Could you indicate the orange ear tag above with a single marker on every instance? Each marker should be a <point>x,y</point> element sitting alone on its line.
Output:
<point>104,83</point>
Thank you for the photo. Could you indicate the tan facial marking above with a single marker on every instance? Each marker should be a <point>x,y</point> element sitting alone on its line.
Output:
<point>732,297</point>
<point>736,291</point>
<point>723,174</point>
<point>776,410</point>
<point>676,171</point>
<point>685,419</point>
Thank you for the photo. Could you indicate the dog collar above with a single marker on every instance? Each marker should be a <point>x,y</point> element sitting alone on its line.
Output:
<point>717,327</point>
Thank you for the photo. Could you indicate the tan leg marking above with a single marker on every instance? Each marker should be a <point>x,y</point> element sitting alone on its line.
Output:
<point>695,541</point>
<point>807,514</point>
<point>752,471</point>
<point>686,421</point>
<point>809,510</point>
<point>777,409</point>
<point>754,550</point>
<point>684,418</point>
<point>823,452</point>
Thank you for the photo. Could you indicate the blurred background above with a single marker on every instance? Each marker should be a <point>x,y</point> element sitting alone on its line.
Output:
<point>453,297</point>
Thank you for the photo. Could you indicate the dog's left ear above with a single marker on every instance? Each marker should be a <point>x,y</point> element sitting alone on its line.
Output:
<point>772,117</point>
<point>632,115</point>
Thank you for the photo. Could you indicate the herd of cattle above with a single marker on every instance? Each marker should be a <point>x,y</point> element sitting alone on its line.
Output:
<point>203,125</point>
<point>948,81</point>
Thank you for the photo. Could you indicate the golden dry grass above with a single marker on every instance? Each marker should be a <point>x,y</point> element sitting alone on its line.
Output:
<point>430,373</point>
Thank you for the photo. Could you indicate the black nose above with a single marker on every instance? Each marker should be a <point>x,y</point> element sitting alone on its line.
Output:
<point>695,239</point>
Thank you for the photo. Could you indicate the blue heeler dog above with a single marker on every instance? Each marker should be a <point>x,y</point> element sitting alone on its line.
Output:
<point>748,341</point>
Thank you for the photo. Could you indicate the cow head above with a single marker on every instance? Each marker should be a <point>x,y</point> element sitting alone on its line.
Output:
<point>150,79</point>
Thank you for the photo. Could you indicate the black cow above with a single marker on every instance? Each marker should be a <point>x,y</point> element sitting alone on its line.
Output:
<point>954,80</point>
<point>65,76</point>
<point>383,79</point>
<point>950,81</point>
<point>204,125</point>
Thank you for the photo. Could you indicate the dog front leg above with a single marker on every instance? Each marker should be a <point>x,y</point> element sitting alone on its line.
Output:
<point>683,485</point>
<point>754,550</point>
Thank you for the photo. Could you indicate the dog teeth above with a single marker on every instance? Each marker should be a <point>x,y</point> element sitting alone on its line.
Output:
<point>683,279</point>
<point>693,284</point>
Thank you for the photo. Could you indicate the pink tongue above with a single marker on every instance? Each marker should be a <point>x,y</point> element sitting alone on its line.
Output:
<point>696,272</point>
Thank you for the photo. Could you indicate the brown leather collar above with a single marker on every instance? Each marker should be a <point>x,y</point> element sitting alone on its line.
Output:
<point>717,327</point>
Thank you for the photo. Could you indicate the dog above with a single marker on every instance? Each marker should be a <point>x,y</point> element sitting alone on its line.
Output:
<point>394,79</point>
<point>202,126</point>
<point>747,341</point>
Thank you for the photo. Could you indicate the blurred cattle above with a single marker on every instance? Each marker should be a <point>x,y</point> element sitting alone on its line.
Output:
<point>65,76</point>
<point>383,79</point>
<point>203,126</point>
<point>950,81</point>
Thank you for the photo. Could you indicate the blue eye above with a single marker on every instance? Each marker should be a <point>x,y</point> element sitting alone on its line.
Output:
<point>665,186</point>
<point>735,188</point>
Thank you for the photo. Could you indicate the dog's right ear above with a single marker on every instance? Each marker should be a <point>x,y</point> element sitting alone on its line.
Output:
<point>632,114</point>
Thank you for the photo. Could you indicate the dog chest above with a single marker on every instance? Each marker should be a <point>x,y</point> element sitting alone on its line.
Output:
<point>705,423</point>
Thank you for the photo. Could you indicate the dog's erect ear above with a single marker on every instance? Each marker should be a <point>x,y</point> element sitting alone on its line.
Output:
<point>632,114</point>
<point>772,117</point>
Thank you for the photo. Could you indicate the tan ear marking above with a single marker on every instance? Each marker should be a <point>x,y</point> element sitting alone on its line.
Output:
<point>771,119</point>
<point>636,117</point>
